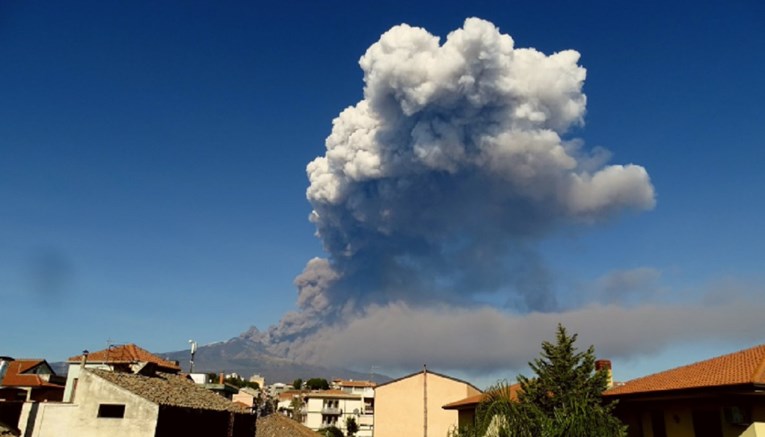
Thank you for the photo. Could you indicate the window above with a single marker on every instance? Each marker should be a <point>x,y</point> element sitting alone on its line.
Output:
<point>112,411</point>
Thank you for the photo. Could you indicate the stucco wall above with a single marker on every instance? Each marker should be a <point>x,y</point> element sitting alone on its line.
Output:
<point>81,418</point>
<point>399,406</point>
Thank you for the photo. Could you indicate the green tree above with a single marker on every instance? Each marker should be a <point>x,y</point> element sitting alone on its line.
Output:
<point>297,384</point>
<point>297,405</point>
<point>563,399</point>
<point>331,431</point>
<point>317,384</point>
<point>351,427</point>
<point>240,383</point>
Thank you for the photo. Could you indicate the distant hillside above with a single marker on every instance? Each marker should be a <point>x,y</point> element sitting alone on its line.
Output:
<point>246,358</point>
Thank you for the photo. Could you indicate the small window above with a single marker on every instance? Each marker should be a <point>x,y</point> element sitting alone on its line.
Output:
<point>112,411</point>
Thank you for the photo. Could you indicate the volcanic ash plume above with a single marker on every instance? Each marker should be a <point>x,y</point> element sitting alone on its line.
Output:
<point>435,187</point>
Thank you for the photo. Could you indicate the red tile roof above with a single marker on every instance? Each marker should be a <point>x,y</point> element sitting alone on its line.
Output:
<point>473,401</point>
<point>739,368</point>
<point>15,375</point>
<point>128,353</point>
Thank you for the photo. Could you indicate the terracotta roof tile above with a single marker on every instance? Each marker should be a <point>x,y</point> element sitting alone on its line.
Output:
<point>743,367</point>
<point>277,425</point>
<point>473,401</point>
<point>169,389</point>
<point>15,377</point>
<point>128,353</point>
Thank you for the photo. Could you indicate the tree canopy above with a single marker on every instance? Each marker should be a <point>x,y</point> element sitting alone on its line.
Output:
<point>317,384</point>
<point>562,399</point>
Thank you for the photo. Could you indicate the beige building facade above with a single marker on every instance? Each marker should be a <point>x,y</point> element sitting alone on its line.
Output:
<point>411,406</point>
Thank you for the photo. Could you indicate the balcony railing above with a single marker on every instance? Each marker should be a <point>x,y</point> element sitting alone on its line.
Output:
<point>331,411</point>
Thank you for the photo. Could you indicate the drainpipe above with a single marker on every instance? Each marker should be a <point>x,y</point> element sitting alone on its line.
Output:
<point>425,399</point>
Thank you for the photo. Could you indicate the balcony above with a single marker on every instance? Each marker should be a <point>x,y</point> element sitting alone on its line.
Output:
<point>330,411</point>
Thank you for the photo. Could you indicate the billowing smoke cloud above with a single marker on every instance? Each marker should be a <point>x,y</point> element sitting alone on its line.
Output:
<point>436,186</point>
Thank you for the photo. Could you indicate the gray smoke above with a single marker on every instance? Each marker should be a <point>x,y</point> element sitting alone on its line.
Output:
<point>437,185</point>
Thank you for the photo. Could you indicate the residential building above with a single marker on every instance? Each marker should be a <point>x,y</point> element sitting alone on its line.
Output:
<point>719,397</point>
<point>142,404</point>
<point>411,406</point>
<point>128,357</point>
<point>260,380</point>
<point>365,389</point>
<point>29,380</point>
<point>324,408</point>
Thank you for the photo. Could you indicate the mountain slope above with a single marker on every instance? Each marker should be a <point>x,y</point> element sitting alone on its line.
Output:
<point>246,358</point>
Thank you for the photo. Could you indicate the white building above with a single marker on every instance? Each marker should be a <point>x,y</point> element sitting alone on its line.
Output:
<point>326,408</point>
<point>106,403</point>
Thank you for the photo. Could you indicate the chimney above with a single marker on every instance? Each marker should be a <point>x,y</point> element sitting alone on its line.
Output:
<point>221,378</point>
<point>84,359</point>
<point>605,365</point>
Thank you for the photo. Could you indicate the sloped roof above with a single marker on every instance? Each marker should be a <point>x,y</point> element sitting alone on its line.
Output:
<point>739,368</point>
<point>430,372</point>
<point>128,353</point>
<point>170,390</point>
<point>277,425</point>
<point>16,375</point>
<point>473,401</point>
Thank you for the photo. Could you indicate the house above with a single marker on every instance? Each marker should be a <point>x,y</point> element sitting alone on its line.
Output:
<point>29,380</point>
<point>128,357</point>
<point>365,389</point>
<point>718,397</point>
<point>142,404</point>
<point>411,405</point>
<point>466,408</point>
<point>324,408</point>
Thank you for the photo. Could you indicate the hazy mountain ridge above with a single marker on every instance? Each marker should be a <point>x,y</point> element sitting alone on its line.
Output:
<point>247,357</point>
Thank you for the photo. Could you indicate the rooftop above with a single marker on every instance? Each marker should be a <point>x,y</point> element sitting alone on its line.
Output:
<point>170,390</point>
<point>351,383</point>
<point>277,425</point>
<point>746,367</point>
<point>21,373</point>
<point>128,353</point>
<point>473,401</point>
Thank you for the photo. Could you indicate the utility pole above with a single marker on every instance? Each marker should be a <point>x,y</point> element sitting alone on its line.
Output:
<point>193,351</point>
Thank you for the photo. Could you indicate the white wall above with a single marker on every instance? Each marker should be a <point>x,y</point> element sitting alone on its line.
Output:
<point>81,419</point>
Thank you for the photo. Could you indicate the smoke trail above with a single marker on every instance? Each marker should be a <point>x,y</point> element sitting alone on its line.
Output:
<point>436,186</point>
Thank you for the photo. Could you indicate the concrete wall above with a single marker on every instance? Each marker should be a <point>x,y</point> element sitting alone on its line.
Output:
<point>81,417</point>
<point>400,409</point>
<point>755,430</point>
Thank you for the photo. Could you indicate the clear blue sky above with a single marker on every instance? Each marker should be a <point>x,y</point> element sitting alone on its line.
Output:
<point>152,154</point>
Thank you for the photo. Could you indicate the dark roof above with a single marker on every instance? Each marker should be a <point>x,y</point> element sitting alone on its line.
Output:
<point>126,354</point>
<point>170,390</point>
<point>746,367</point>
<point>430,372</point>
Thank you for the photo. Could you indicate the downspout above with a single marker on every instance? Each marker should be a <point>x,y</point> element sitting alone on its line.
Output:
<point>425,399</point>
